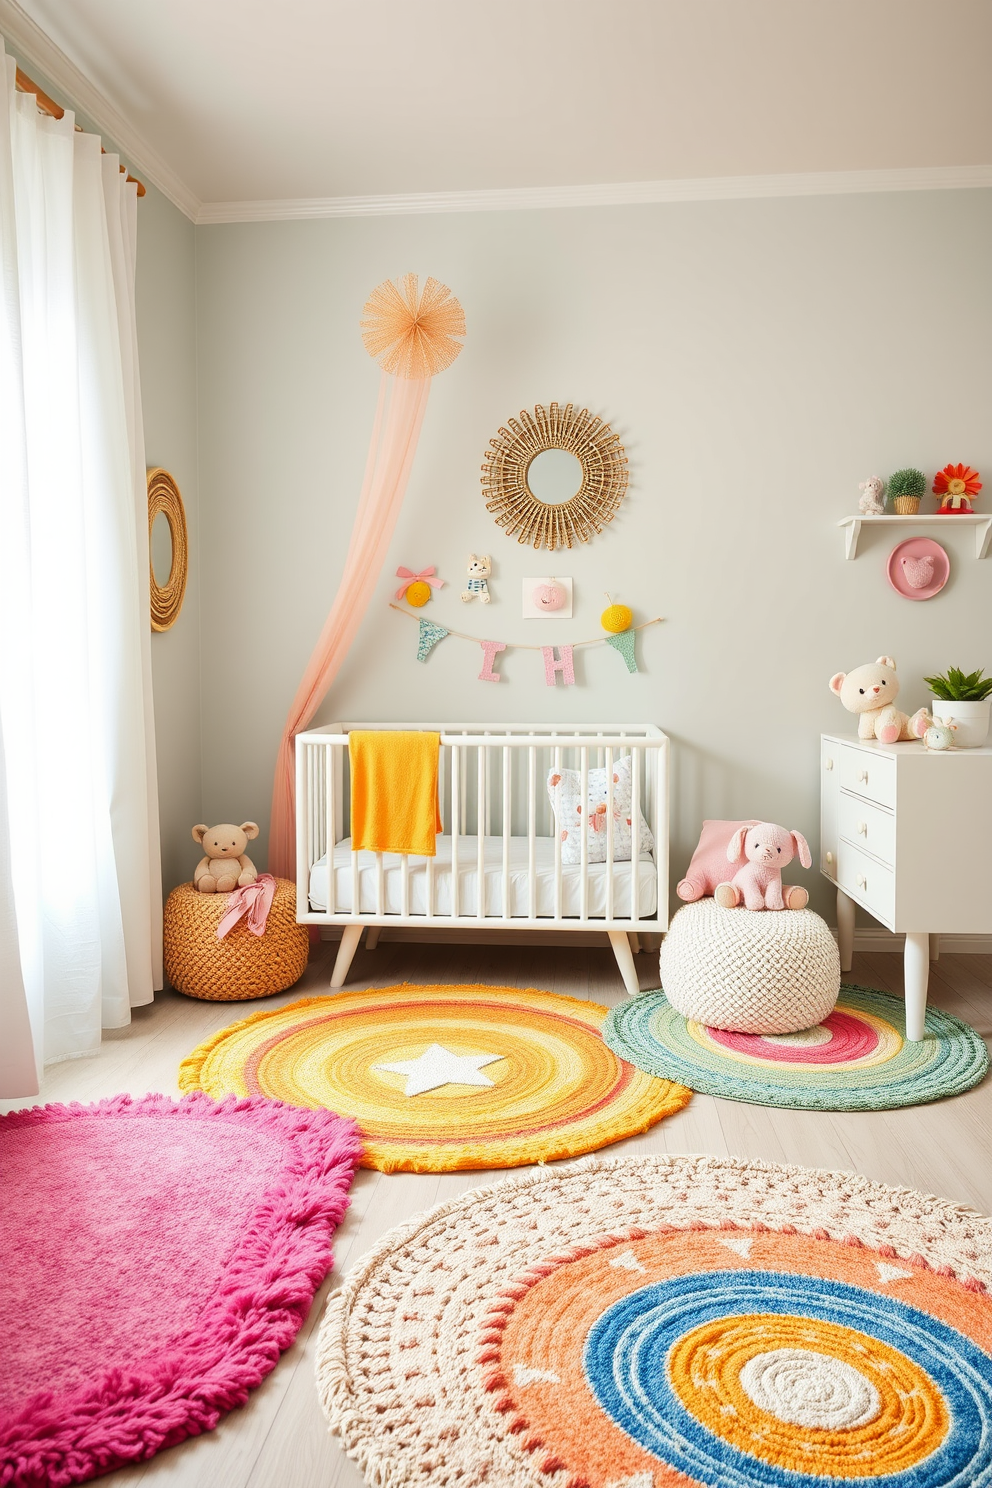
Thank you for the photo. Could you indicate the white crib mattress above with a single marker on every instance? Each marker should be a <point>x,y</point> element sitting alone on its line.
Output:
<point>544,873</point>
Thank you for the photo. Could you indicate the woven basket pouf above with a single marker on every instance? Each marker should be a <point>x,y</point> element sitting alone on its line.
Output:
<point>750,971</point>
<point>241,965</point>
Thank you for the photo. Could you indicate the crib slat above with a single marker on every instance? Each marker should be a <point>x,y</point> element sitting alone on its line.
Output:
<point>635,831</point>
<point>507,824</point>
<point>609,833</point>
<point>380,884</point>
<point>456,822</point>
<point>557,771</point>
<point>531,830</point>
<point>480,828</point>
<point>584,839</point>
<point>331,833</point>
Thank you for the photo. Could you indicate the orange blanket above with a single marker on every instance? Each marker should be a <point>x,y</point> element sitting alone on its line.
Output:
<point>394,805</point>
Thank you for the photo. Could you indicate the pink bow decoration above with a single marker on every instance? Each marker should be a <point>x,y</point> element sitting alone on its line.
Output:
<point>254,900</point>
<point>426,576</point>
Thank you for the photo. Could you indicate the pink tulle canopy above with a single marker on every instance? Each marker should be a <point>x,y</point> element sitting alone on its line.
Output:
<point>413,336</point>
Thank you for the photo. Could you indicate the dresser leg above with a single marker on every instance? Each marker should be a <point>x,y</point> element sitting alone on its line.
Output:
<point>845,929</point>
<point>916,972</point>
<point>934,947</point>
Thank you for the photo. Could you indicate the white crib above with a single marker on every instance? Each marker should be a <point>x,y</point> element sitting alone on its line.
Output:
<point>499,858</point>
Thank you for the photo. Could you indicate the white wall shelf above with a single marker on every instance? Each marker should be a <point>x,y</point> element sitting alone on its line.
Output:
<point>980,521</point>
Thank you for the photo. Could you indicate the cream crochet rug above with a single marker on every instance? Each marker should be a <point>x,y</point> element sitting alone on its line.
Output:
<point>641,1323</point>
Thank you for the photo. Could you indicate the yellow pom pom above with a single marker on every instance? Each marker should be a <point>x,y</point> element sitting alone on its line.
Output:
<point>616,618</point>
<point>418,594</point>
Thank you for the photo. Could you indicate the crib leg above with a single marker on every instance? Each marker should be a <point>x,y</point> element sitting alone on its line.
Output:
<point>349,945</point>
<point>625,961</point>
<point>372,939</point>
<point>635,943</point>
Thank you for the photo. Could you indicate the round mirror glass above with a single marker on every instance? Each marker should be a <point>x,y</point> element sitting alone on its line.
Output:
<point>554,476</point>
<point>161,549</point>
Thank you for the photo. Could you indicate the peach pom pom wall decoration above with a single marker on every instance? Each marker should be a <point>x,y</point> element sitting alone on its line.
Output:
<point>955,485</point>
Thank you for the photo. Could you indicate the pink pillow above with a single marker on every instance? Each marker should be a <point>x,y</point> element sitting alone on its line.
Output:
<point>710,865</point>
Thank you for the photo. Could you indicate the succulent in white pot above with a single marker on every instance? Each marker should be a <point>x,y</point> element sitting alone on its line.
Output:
<point>965,699</point>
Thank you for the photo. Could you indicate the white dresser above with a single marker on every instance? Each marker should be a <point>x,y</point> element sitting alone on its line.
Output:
<point>907,834</point>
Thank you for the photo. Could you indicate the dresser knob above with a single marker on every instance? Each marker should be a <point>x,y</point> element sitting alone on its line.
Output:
<point>828,764</point>
<point>862,777</point>
<point>863,829</point>
<point>830,857</point>
<point>862,881</point>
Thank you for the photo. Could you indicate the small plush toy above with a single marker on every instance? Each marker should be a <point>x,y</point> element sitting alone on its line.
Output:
<point>940,735</point>
<point>872,500</point>
<point>870,691</point>
<point>708,866</point>
<point>225,866</point>
<point>480,566</point>
<point>768,849</point>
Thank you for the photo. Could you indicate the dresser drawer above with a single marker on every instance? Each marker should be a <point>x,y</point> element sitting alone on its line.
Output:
<point>868,827</point>
<point>870,775</point>
<point>870,883</point>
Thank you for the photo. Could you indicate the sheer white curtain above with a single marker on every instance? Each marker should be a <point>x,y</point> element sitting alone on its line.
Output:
<point>80,888</point>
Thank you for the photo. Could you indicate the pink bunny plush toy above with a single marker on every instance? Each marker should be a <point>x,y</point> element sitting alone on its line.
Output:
<point>758,884</point>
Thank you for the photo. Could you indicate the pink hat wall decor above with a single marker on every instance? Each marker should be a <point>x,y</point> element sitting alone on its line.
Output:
<point>413,335</point>
<point>918,568</point>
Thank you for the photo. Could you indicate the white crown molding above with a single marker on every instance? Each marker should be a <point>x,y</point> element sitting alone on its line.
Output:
<point>619,194</point>
<point>26,38</point>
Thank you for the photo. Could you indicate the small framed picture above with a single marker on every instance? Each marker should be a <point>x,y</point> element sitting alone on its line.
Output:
<point>547,598</point>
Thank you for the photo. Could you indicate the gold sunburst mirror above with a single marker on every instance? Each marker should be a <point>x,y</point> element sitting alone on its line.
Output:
<point>555,476</point>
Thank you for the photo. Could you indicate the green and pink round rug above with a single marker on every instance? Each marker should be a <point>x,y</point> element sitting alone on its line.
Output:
<point>856,1059</point>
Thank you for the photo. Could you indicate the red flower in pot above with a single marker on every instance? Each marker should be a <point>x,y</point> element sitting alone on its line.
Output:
<point>955,485</point>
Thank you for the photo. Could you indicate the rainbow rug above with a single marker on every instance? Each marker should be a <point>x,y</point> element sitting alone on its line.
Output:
<point>442,1077</point>
<point>158,1256</point>
<point>855,1060</point>
<point>664,1322</point>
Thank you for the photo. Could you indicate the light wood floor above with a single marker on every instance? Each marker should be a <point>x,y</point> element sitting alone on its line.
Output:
<point>279,1440</point>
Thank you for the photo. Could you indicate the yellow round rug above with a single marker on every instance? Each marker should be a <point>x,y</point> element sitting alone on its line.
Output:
<point>440,1078</point>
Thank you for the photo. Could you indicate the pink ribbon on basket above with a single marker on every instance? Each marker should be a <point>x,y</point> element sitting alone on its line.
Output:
<point>254,900</point>
<point>426,576</point>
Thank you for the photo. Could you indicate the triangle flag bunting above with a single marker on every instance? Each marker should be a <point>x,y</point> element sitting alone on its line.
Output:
<point>430,634</point>
<point>623,642</point>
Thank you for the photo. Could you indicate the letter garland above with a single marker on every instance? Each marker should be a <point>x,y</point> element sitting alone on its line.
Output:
<point>557,659</point>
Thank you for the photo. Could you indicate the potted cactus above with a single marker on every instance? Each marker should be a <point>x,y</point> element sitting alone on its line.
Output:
<point>962,698</point>
<point>906,489</point>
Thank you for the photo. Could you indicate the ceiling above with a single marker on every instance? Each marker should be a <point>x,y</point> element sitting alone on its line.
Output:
<point>245,101</point>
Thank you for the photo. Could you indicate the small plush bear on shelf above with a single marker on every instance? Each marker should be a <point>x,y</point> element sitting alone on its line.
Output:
<point>225,866</point>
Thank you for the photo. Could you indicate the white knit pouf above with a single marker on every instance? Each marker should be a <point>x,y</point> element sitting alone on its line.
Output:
<point>750,971</point>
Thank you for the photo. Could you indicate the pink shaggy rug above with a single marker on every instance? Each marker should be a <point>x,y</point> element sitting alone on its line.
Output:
<point>156,1256</point>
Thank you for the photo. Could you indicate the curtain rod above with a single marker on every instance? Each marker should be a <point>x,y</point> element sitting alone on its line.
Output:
<point>56,111</point>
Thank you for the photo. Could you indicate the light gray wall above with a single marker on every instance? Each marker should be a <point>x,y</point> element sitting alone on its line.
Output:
<point>166,310</point>
<point>757,358</point>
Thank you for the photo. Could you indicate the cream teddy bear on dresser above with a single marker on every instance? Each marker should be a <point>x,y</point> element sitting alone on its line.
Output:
<point>870,691</point>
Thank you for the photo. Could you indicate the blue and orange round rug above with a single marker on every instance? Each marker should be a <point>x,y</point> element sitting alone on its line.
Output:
<point>664,1322</point>
<point>857,1059</point>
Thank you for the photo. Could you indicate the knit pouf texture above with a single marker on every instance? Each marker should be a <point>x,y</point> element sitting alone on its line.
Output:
<point>750,971</point>
<point>242,965</point>
<point>663,1321</point>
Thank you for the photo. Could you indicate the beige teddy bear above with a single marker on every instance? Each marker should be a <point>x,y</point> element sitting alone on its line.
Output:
<point>870,691</point>
<point>225,866</point>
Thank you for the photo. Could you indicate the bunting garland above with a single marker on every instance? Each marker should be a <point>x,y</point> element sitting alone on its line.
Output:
<point>558,660</point>
<point>623,641</point>
<point>430,634</point>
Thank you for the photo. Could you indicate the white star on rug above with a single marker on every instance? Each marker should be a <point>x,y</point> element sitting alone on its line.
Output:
<point>887,1273</point>
<point>438,1066</point>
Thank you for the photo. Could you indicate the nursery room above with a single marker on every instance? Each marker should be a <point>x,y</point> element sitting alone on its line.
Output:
<point>495,755</point>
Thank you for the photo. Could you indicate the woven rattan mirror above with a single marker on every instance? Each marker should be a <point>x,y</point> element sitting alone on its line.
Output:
<point>533,487</point>
<point>164,500</point>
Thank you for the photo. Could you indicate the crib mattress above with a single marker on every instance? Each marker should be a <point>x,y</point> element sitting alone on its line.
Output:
<point>468,877</point>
